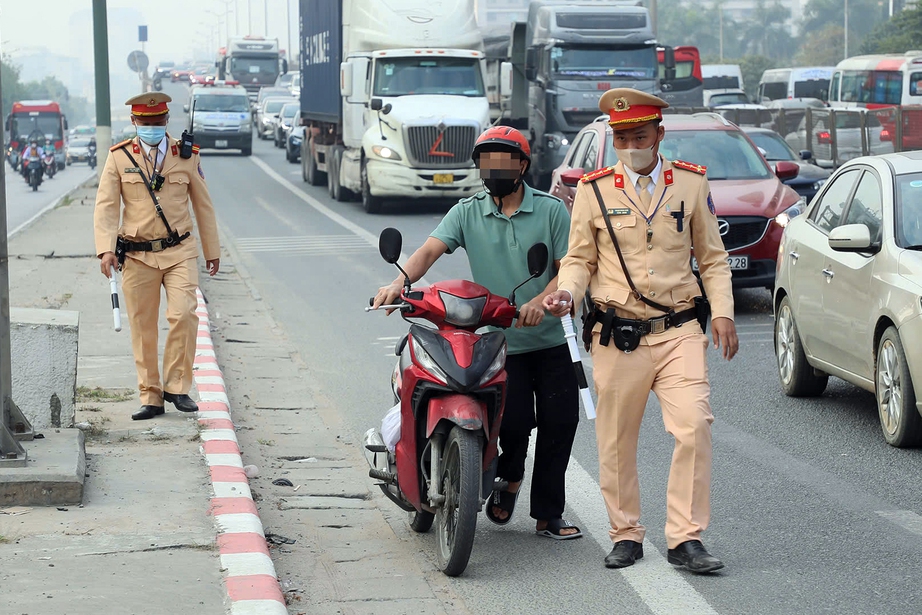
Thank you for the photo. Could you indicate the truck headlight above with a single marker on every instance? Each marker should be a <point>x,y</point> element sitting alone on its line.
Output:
<point>794,210</point>
<point>385,152</point>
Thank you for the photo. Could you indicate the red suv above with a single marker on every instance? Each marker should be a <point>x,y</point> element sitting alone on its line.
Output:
<point>753,206</point>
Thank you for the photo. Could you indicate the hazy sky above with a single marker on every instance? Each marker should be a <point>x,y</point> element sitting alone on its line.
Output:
<point>175,27</point>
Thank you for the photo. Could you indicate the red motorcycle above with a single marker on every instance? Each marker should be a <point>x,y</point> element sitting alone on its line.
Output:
<point>450,384</point>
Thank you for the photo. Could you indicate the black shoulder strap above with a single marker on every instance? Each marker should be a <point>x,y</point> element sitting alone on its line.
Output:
<point>150,191</point>
<point>627,274</point>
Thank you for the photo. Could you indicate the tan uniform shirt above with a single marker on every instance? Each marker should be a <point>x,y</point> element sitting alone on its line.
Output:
<point>659,265</point>
<point>120,181</point>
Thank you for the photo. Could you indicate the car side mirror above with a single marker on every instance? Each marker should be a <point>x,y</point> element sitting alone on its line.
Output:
<point>785,169</point>
<point>386,108</point>
<point>806,154</point>
<point>571,177</point>
<point>537,259</point>
<point>851,238</point>
<point>377,104</point>
<point>390,243</point>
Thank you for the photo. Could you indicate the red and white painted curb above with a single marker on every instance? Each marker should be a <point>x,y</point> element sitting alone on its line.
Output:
<point>250,578</point>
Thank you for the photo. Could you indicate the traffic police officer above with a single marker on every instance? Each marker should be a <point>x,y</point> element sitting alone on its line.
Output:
<point>156,179</point>
<point>648,336</point>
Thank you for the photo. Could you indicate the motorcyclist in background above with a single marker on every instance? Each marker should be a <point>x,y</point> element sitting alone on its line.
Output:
<point>32,151</point>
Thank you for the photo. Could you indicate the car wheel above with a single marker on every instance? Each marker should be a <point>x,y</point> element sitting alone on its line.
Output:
<point>896,397</point>
<point>798,378</point>
<point>247,151</point>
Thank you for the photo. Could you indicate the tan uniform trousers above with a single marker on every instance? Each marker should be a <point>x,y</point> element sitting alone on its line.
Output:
<point>141,286</point>
<point>676,371</point>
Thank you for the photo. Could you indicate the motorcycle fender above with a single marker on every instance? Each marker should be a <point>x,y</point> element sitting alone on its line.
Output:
<point>462,410</point>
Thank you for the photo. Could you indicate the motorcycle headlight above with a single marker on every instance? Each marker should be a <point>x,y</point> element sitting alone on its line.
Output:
<point>794,210</point>
<point>499,361</point>
<point>462,312</point>
<point>385,152</point>
<point>426,362</point>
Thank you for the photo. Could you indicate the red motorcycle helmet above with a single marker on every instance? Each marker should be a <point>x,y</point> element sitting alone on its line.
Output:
<point>502,139</point>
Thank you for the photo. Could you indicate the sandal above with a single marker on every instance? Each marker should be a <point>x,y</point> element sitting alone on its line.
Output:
<point>554,526</point>
<point>504,500</point>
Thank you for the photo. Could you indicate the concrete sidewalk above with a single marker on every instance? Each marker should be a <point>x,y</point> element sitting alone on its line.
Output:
<point>143,541</point>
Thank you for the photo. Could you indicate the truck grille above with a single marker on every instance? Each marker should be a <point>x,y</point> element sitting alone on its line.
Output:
<point>744,231</point>
<point>428,146</point>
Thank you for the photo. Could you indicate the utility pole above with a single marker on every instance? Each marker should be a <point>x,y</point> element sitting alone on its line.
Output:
<point>12,424</point>
<point>288,26</point>
<point>101,67</point>
<point>846,29</point>
<point>266,18</point>
<point>249,17</point>
<point>720,20</point>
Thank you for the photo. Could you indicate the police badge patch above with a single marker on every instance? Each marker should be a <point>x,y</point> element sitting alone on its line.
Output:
<point>710,203</point>
<point>202,173</point>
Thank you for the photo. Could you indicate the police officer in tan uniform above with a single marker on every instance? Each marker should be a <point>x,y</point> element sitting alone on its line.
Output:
<point>156,179</point>
<point>649,314</point>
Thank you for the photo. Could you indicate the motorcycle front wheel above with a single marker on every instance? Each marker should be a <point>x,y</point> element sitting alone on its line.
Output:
<point>456,519</point>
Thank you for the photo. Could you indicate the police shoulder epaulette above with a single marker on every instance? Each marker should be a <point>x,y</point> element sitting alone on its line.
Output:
<point>700,169</point>
<point>588,177</point>
<point>195,149</point>
<point>118,145</point>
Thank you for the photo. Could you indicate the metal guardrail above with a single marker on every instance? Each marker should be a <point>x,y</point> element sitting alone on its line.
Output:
<point>833,135</point>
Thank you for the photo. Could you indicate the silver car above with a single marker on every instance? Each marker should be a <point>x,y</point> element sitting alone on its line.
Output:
<point>847,135</point>
<point>267,116</point>
<point>847,293</point>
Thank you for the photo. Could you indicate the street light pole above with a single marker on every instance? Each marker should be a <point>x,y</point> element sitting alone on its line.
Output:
<point>288,27</point>
<point>720,20</point>
<point>846,29</point>
<point>250,17</point>
<point>266,18</point>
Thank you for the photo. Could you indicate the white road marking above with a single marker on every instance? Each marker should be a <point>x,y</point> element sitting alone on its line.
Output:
<point>906,519</point>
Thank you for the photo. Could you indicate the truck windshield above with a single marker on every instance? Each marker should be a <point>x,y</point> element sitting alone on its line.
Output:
<point>409,76</point>
<point>241,66</point>
<point>624,62</point>
<point>218,103</point>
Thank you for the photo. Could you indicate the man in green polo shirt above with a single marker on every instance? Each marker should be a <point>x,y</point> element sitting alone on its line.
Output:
<point>496,228</point>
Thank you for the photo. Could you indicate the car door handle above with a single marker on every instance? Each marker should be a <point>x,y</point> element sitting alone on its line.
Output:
<point>829,273</point>
<point>794,255</point>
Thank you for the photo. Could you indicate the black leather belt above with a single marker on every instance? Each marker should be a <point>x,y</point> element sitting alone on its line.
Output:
<point>653,325</point>
<point>156,245</point>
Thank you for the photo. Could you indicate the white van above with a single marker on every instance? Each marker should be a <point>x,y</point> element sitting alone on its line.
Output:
<point>803,82</point>
<point>722,77</point>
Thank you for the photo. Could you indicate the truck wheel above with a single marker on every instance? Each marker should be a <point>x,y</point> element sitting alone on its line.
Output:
<point>309,171</point>
<point>370,203</point>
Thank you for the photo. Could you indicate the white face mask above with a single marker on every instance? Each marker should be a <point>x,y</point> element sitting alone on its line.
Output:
<point>636,159</point>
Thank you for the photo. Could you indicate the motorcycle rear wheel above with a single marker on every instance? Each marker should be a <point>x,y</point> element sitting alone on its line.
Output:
<point>456,519</point>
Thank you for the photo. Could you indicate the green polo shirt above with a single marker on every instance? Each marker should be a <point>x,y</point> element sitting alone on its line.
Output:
<point>497,248</point>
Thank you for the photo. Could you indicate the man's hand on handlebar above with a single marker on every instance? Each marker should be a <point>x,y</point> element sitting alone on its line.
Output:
<point>530,315</point>
<point>387,295</point>
<point>558,303</point>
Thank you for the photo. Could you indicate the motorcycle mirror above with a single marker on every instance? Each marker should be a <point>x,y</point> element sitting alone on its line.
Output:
<point>537,259</point>
<point>390,243</point>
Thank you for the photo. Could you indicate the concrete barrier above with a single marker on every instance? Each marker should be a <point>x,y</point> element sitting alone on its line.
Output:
<point>44,362</point>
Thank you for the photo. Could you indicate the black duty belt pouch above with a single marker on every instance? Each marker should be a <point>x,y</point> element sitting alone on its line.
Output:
<point>589,320</point>
<point>626,337</point>
<point>703,311</point>
<point>120,251</point>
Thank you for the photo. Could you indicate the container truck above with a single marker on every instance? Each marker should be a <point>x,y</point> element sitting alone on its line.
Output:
<point>252,61</point>
<point>562,59</point>
<point>392,98</point>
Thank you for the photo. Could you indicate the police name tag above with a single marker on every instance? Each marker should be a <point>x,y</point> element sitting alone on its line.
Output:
<point>132,170</point>
<point>619,212</point>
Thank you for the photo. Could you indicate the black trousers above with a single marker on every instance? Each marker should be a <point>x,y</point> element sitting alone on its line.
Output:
<point>541,392</point>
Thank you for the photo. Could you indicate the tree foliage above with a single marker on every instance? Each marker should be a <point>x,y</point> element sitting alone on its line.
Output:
<point>76,108</point>
<point>900,34</point>
<point>825,48</point>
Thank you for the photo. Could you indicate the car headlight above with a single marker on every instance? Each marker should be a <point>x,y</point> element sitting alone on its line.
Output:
<point>793,211</point>
<point>246,127</point>
<point>197,125</point>
<point>426,362</point>
<point>385,152</point>
<point>499,361</point>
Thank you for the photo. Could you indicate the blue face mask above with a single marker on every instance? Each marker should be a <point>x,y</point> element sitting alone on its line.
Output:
<point>152,135</point>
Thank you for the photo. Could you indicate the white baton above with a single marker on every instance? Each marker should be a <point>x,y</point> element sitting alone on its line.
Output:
<point>113,287</point>
<point>570,333</point>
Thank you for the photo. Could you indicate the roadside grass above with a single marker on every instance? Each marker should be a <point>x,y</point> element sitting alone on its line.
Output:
<point>99,394</point>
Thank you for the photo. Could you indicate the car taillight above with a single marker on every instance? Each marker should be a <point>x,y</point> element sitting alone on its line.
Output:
<point>824,137</point>
<point>885,135</point>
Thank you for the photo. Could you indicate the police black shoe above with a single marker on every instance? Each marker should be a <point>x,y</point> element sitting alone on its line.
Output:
<point>624,554</point>
<point>183,403</point>
<point>692,556</point>
<point>147,412</point>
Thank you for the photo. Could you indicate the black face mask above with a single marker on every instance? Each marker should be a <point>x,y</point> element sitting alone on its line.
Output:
<point>500,182</point>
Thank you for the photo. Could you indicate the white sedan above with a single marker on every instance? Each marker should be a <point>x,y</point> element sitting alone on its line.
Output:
<point>848,292</point>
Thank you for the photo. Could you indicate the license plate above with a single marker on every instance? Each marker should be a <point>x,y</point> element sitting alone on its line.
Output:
<point>443,178</point>
<point>220,143</point>
<point>735,262</point>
